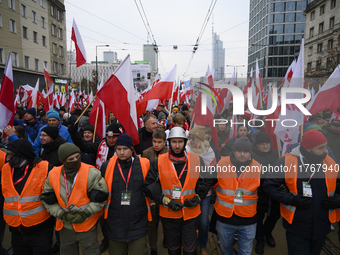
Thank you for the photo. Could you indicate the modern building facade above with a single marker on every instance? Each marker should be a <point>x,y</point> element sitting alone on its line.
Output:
<point>34,32</point>
<point>275,32</point>
<point>110,56</point>
<point>218,57</point>
<point>150,54</point>
<point>322,37</point>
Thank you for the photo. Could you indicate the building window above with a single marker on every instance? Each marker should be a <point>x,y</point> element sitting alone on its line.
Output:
<point>331,23</point>
<point>43,25</point>
<point>61,51</point>
<point>322,9</point>
<point>36,65</point>
<point>15,59</point>
<point>312,15</point>
<point>329,62</point>
<point>55,67</point>
<point>11,4</point>
<point>2,61</point>
<point>330,44</point>
<point>27,62</point>
<point>310,50</point>
<point>23,10</point>
<point>62,68</point>
<point>309,66</point>
<point>34,17</point>
<point>321,28</point>
<point>35,37</point>
<point>54,48</point>
<point>45,64</point>
<point>12,26</point>
<point>53,29</point>
<point>58,15</point>
<point>24,32</point>
<point>311,32</point>
<point>52,10</point>
<point>319,48</point>
<point>60,33</point>
<point>0,20</point>
<point>42,3</point>
<point>333,3</point>
<point>44,40</point>
<point>318,65</point>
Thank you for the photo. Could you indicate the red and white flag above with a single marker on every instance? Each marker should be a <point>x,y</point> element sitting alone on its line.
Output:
<point>80,49</point>
<point>286,80</point>
<point>119,95</point>
<point>49,88</point>
<point>162,90</point>
<point>7,95</point>
<point>16,102</point>
<point>34,96</point>
<point>72,101</point>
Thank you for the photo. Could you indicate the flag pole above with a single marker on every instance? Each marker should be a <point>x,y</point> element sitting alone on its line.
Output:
<point>192,121</point>
<point>87,107</point>
<point>95,125</point>
<point>278,146</point>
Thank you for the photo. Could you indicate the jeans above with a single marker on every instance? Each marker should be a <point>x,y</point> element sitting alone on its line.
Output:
<point>298,245</point>
<point>246,235</point>
<point>203,222</point>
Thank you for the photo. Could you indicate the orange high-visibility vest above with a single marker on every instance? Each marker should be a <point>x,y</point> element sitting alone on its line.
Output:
<point>25,209</point>
<point>78,197</point>
<point>288,211</point>
<point>145,164</point>
<point>168,179</point>
<point>2,159</point>
<point>228,183</point>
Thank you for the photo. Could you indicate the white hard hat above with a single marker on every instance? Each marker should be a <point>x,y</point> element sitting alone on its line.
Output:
<point>177,132</point>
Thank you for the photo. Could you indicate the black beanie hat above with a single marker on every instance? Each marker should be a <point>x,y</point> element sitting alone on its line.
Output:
<point>32,111</point>
<point>242,144</point>
<point>125,140</point>
<point>113,130</point>
<point>52,132</point>
<point>21,147</point>
<point>90,128</point>
<point>262,137</point>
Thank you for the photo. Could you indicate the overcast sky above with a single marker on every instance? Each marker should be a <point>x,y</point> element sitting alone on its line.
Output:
<point>173,22</point>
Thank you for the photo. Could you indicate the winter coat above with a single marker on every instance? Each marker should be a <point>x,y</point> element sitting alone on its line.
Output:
<point>31,128</point>
<point>49,152</point>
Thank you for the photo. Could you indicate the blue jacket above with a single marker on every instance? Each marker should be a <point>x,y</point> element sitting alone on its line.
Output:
<point>32,129</point>
<point>63,132</point>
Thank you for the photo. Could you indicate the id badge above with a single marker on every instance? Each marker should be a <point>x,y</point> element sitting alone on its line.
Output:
<point>238,197</point>
<point>125,198</point>
<point>307,189</point>
<point>176,192</point>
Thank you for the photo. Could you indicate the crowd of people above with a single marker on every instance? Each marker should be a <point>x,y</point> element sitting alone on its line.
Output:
<point>59,179</point>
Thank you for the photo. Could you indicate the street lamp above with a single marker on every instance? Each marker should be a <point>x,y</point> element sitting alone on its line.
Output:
<point>97,61</point>
<point>236,69</point>
<point>264,57</point>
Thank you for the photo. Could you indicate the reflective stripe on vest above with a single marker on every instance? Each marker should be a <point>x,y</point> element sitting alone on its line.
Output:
<point>25,209</point>
<point>168,178</point>
<point>145,165</point>
<point>78,197</point>
<point>248,183</point>
<point>288,211</point>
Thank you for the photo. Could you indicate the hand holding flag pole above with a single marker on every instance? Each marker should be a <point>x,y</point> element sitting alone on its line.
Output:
<point>87,107</point>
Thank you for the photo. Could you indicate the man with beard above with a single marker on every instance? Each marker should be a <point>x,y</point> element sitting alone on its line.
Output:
<point>310,203</point>
<point>174,182</point>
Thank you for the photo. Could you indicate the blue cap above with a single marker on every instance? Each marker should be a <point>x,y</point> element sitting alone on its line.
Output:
<point>53,114</point>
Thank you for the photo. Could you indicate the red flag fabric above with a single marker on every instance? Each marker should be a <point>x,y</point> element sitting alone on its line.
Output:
<point>7,95</point>
<point>80,49</point>
<point>119,95</point>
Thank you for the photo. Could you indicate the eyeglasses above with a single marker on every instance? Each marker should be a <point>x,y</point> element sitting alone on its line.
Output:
<point>192,138</point>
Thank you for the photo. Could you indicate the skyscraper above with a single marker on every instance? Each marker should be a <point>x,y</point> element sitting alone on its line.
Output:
<point>110,56</point>
<point>150,54</point>
<point>275,32</point>
<point>218,56</point>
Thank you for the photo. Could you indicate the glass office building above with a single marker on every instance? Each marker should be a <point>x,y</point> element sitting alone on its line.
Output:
<point>275,32</point>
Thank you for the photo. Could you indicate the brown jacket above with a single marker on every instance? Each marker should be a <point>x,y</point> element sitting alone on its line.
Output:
<point>151,154</point>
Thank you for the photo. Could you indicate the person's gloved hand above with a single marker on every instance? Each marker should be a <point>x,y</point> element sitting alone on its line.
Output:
<point>302,202</point>
<point>283,189</point>
<point>172,204</point>
<point>81,216</point>
<point>193,202</point>
<point>330,203</point>
<point>67,216</point>
<point>98,196</point>
<point>73,128</point>
<point>49,198</point>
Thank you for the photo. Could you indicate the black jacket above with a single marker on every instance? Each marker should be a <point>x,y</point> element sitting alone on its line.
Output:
<point>49,152</point>
<point>145,140</point>
<point>222,137</point>
<point>89,158</point>
<point>126,223</point>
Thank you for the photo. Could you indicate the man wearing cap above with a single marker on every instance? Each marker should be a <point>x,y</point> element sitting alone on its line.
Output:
<point>145,133</point>
<point>332,133</point>
<point>315,118</point>
<point>79,193</point>
<point>22,180</point>
<point>310,203</point>
<point>175,182</point>
<point>128,211</point>
<point>30,123</point>
<point>236,201</point>
<point>53,119</point>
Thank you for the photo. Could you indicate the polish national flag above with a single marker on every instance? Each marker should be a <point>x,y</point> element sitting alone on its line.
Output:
<point>49,87</point>
<point>285,82</point>
<point>80,49</point>
<point>161,91</point>
<point>119,95</point>
<point>72,101</point>
<point>7,95</point>
<point>16,102</point>
<point>100,118</point>
<point>34,96</point>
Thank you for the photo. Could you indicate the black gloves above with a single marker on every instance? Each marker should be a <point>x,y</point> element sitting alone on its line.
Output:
<point>283,189</point>
<point>73,128</point>
<point>193,202</point>
<point>98,196</point>
<point>302,202</point>
<point>330,203</point>
<point>174,205</point>
<point>49,198</point>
